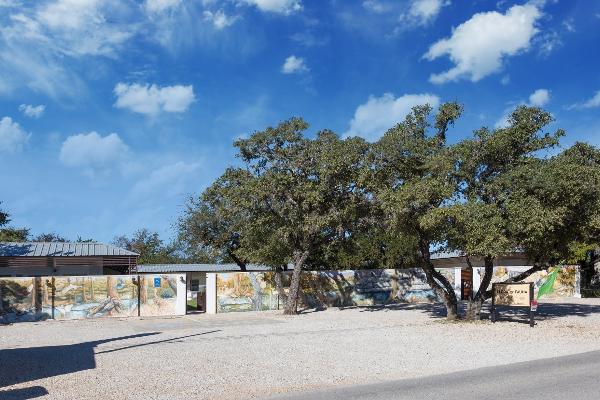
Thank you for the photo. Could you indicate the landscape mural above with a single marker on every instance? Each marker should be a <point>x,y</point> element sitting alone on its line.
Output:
<point>77,297</point>
<point>255,291</point>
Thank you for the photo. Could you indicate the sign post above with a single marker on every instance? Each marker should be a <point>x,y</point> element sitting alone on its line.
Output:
<point>513,295</point>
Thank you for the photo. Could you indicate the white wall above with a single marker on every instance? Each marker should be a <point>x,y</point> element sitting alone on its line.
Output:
<point>211,293</point>
<point>180,306</point>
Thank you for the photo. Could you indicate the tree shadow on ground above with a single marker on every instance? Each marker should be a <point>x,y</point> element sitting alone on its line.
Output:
<point>31,363</point>
<point>545,311</point>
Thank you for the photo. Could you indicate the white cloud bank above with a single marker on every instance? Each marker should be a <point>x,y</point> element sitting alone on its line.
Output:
<point>153,99</point>
<point>91,151</point>
<point>285,7</point>
<point>478,46</point>
<point>379,114</point>
<point>12,137</point>
<point>32,111</point>
<point>539,98</point>
<point>294,65</point>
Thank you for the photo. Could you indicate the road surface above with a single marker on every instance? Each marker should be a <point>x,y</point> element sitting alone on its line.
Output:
<point>569,377</point>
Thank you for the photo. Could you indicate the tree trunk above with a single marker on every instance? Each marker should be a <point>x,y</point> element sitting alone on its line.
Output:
<point>438,283</point>
<point>476,303</point>
<point>291,307</point>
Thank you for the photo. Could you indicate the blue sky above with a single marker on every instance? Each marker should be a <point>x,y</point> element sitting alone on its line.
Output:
<point>112,112</point>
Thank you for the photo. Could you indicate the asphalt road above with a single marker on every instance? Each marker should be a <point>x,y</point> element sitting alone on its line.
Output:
<point>569,377</point>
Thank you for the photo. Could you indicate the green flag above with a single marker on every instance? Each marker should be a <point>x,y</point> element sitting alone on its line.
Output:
<point>548,286</point>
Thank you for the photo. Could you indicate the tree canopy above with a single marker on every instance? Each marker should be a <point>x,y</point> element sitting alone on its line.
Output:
<point>327,202</point>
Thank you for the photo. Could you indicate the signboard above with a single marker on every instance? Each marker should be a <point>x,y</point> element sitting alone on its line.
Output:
<point>156,282</point>
<point>513,295</point>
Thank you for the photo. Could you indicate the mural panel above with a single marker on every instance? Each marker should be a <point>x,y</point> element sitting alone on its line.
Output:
<point>246,291</point>
<point>19,302</point>
<point>254,291</point>
<point>564,285</point>
<point>79,297</point>
<point>158,295</point>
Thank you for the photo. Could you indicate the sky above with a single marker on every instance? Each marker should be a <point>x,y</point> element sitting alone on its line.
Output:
<point>114,112</point>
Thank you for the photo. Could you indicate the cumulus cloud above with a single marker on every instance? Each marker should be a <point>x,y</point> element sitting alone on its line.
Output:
<point>478,46</point>
<point>423,12</point>
<point>93,151</point>
<point>590,103</point>
<point>539,98</point>
<point>284,7</point>
<point>378,114</point>
<point>153,99</point>
<point>219,19</point>
<point>12,137</point>
<point>294,65</point>
<point>32,111</point>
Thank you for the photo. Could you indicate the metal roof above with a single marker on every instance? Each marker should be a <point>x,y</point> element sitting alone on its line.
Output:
<point>60,249</point>
<point>164,268</point>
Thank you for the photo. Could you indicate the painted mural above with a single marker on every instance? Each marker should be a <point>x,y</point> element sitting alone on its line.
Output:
<point>158,295</point>
<point>245,291</point>
<point>254,291</point>
<point>78,297</point>
<point>18,300</point>
<point>564,285</point>
<point>94,296</point>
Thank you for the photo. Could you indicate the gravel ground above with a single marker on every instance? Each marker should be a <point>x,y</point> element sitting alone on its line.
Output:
<point>256,355</point>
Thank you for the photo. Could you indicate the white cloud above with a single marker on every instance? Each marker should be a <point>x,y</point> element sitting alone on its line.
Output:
<point>92,151</point>
<point>39,45</point>
<point>294,65</point>
<point>170,180</point>
<point>157,6</point>
<point>219,19</point>
<point>284,7</point>
<point>423,12</point>
<point>478,46</point>
<point>379,114</point>
<point>153,99</point>
<point>539,98</point>
<point>12,137</point>
<point>32,111</point>
<point>590,103</point>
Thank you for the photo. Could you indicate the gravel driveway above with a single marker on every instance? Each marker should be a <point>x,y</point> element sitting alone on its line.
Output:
<point>256,355</point>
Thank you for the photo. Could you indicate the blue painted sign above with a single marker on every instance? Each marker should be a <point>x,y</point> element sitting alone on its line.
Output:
<point>156,282</point>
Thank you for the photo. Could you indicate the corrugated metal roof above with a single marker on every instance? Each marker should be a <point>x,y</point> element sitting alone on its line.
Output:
<point>165,268</point>
<point>59,249</point>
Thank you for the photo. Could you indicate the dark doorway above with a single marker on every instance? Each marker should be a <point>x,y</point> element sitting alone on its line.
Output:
<point>466,283</point>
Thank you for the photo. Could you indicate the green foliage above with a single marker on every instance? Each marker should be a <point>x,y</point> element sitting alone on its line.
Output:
<point>9,234</point>
<point>150,247</point>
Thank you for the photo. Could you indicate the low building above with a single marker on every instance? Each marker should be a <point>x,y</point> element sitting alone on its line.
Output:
<point>61,259</point>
